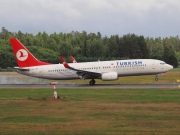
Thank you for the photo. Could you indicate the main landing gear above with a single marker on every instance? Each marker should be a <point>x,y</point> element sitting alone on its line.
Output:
<point>92,82</point>
<point>156,78</point>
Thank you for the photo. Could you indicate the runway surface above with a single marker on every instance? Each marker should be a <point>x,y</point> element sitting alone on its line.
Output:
<point>121,86</point>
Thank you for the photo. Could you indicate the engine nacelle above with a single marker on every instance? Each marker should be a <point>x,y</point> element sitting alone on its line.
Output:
<point>109,76</point>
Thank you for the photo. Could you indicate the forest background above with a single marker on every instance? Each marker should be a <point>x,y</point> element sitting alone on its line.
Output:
<point>85,46</point>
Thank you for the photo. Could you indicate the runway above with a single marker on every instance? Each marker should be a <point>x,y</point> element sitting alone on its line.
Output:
<point>120,86</point>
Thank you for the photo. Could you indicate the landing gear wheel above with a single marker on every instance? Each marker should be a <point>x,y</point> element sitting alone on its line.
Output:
<point>156,79</point>
<point>92,82</point>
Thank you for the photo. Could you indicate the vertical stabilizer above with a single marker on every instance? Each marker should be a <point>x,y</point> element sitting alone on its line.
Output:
<point>23,57</point>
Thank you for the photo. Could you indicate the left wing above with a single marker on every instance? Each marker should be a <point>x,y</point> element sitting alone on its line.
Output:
<point>83,74</point>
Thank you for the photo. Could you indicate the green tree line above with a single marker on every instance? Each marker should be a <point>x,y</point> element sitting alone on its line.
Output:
<point>89,47</point>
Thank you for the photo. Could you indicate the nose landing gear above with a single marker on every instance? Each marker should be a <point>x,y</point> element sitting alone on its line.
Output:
<point>157,76</point>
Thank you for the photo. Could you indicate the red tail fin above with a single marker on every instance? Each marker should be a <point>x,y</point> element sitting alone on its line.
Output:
<point>23,57</point>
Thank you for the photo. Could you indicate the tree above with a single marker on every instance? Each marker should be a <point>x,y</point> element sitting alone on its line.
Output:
<point>112,47</point>
<point>169,55</point>
<point>90,47</point>
<point>144,52</point>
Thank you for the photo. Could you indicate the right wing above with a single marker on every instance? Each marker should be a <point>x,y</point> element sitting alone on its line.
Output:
<point>72,59</point>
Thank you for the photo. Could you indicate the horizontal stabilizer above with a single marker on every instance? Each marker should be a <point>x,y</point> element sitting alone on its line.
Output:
<point>22,69</point>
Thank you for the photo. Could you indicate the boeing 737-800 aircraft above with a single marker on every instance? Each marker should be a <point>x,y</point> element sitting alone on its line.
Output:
<point>104,70</point>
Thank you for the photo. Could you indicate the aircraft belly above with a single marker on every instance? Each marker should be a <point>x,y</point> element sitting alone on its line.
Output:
<point>60,75</point>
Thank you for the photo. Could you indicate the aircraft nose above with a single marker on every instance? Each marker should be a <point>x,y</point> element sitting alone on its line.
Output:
<point>169,67</point>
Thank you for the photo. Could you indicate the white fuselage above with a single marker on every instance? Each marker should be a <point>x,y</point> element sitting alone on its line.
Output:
<point>132,67</point>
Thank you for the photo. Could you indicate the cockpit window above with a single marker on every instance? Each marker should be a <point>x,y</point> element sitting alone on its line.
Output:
<point>162,63</point>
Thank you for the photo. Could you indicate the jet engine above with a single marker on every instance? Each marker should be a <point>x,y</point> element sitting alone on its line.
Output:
<point>109,76</point>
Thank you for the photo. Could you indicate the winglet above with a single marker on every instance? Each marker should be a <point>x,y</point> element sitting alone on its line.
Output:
<point>64,62</point>
<point>72,59</point>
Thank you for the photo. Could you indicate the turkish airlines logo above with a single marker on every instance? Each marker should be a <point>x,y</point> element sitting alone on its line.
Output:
<point>22,55</point>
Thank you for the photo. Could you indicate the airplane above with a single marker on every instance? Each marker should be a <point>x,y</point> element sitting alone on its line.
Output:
<point>104,70</point>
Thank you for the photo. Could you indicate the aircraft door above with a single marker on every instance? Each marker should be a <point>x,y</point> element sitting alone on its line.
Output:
<point>154,66</point>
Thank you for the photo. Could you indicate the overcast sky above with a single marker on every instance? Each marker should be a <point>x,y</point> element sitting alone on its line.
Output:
<point>153,18</point>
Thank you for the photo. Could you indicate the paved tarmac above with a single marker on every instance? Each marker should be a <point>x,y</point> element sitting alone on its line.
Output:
<point>120,86</point>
